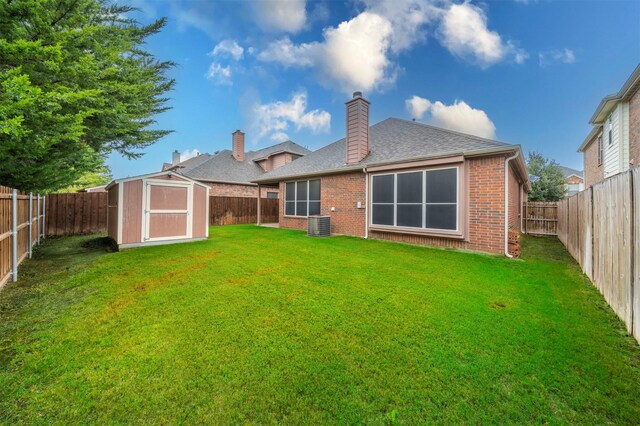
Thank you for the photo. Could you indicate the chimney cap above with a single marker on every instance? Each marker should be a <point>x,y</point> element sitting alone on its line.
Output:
<point>357,94</point>
<point>238,131</point>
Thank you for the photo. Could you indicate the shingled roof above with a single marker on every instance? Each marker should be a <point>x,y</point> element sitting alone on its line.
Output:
<point>391,140</point>
<point>567,171</point>
<point>223,167</point>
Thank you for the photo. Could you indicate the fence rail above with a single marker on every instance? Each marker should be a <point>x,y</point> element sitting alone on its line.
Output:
<point>601,229</point>
<point>76,213</point>
<point>237,210</point>
<point>540,218</point>
<point>21,227</point>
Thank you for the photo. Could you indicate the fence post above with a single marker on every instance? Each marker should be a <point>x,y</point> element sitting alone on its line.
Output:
<point>38,221</point>
<point>30,224</point>
<point>44,216</point>
<point>14,235</point>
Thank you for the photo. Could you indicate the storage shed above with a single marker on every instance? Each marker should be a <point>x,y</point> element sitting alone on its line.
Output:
<point>158,208</point>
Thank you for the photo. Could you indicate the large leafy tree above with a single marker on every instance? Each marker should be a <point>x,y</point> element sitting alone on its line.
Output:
<point>75,85</point>
<point>548,183</point>
<point>97,177</point>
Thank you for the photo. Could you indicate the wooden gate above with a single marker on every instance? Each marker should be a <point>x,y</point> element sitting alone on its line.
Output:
<point>540,218</point>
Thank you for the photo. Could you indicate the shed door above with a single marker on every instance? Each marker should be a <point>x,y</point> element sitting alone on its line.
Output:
<point>167,211</point>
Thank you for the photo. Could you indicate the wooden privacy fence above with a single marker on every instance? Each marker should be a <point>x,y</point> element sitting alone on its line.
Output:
<point>21,227</point>
<point>601,229</point>
<point>237,210</point>
<point>76,213</point>
<point>540,218</point>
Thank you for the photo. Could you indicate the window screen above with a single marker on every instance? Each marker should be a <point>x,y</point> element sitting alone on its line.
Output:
<point>425,199</point>
<point>302,198</point>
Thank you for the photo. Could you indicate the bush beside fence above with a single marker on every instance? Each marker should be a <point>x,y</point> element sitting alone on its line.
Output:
<point>21,227</point>
<point>601,229</point>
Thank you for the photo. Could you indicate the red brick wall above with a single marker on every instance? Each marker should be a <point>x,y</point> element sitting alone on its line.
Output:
<point>593,173</point>
<point>574,180</point>
<point>485,205</point>
<point>341,192</point>
<point>231,190</point>
<point>634,129</point>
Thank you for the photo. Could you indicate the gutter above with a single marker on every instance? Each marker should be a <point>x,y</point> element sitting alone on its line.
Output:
<point>506,203</point>
<point>366,203</point>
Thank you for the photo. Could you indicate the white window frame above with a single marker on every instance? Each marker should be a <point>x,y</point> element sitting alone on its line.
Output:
<point>424,204</point>
<point>295,197</point>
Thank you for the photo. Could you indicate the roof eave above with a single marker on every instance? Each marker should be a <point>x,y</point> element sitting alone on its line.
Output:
<point>590,138</point>
<point>628,88</point>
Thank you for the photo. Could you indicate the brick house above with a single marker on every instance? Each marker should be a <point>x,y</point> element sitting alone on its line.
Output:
<point>574,180</point>
<point>231,172</point>
<point>613,145</point>
<point>404,181</point>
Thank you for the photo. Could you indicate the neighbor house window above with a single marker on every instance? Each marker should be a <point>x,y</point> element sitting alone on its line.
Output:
<point>600,150</point>
<point>426,199</point>
<point>610,131</point>
<point>302,198</point>
<point>272,195</point>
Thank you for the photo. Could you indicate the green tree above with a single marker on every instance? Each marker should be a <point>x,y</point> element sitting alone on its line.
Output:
<point>75,85</point>
<point>102,175</point>
<point>549,182</point>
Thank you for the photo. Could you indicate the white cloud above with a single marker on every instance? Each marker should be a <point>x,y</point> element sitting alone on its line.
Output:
<point>359,54</point>
<point>464,32</point>
<point>190,153</point>
<point>459,116</point>
<point>274,119</point>
<point>219,74</point>
<point>281,15</point>
<point>228,48</point>
<point>407,18</point>
<point>565,56</point>
<point>417,106</point>
<point>353,54</point>
<point>286,53</point>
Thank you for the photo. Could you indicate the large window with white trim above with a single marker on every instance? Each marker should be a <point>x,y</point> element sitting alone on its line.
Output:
<point>425,199</point>
<point>302,198</point>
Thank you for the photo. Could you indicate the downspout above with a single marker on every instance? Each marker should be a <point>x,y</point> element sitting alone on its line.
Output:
<point>506,203</point>
<point>366,203</point>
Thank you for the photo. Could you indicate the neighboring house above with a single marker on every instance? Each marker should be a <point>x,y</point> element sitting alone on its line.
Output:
<point>232,172</point>
<point>101,188</point>
<point>613,145</point>
<point>404,181</point>
<point>574,180</point>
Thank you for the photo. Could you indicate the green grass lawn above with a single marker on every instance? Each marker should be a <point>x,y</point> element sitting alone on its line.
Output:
<point>259,325</point>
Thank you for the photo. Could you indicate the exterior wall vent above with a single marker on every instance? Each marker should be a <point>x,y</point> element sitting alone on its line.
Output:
<point>319,226</point>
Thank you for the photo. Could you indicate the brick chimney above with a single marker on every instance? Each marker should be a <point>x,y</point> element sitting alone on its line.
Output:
<point>238,145</point>
<point>176,158</point>
<point>357,128</point>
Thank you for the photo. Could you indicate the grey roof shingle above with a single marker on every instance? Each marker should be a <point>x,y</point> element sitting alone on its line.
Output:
<point>390,140</point>
<point>567,171</point>
<point>188,164</point>
<point>223,167</point>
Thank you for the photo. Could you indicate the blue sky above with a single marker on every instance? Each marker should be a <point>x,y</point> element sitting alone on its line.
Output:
<point>524,72</point>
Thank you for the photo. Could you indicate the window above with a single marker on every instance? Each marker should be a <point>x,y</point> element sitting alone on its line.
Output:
<point>610,131</point>
<point>272,195</point>
<point>426,199</point>
<point>302,198</point>
<point>600,150</point>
